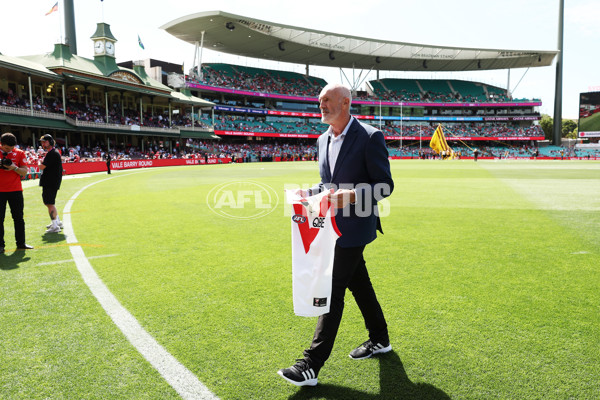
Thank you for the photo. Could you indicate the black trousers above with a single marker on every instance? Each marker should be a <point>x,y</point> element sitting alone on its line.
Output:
<point>16,203</point>
<point>349,271</point>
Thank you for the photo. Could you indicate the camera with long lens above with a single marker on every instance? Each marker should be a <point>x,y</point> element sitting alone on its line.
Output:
<point>6,162</point>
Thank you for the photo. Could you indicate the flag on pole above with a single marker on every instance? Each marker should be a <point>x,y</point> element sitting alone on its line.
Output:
<point>54,8</point>
<point>140,43</point>
<point>439,145</point>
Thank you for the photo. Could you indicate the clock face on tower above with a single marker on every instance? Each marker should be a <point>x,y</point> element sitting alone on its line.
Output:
<point>110,48</point>
<point>99,46</point>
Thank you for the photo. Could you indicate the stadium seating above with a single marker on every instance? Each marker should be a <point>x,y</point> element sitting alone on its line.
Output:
<point>497,94</point>
<point>469,91</point>
<point>260,80</point>
<point>388,89</point>
<point>436,90</point>
<point>396,89</point>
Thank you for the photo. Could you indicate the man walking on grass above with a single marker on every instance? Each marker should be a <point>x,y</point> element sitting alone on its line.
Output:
<point>353,159</point>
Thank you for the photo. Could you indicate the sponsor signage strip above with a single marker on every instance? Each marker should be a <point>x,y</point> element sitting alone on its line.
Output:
<point>310,136</point>
<point>507,158</point>
<point>364,102</point>
<point>98,166</point>
<point>373,117</point>
<point>266,134</point>
<point>466,139</point>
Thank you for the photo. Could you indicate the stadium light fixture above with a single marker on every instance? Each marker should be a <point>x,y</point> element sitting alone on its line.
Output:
<point>331,55</point>
<point>230,26</point>
<point>378,60</point>
<point>281,46</point>
<point>479,64</point>
<point>425,64</point>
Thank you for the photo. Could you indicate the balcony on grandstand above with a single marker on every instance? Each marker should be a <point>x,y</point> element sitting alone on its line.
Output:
<point>61,90</point>
<point>86,108</point>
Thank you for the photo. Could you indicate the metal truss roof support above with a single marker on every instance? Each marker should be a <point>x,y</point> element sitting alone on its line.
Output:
<point>198,56</point>
<point>356,80</point>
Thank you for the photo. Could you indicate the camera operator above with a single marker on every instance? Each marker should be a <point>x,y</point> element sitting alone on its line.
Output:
<point>50,181</point>
<point>12,168</point>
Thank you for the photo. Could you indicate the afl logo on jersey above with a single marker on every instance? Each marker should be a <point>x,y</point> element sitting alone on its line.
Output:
<point>299,219</point>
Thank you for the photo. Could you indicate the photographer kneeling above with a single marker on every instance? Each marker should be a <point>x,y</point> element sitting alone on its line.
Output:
<point>12,168</point>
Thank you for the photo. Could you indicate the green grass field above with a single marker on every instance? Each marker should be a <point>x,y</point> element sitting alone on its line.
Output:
<point>488,273</point>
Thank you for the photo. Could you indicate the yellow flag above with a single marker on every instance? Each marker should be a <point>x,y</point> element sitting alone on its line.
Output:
<point>439,145</point>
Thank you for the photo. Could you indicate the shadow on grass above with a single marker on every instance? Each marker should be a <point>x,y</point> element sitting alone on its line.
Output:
<point>10,262</point>
<point>393,382</point>
<point>53,237</point>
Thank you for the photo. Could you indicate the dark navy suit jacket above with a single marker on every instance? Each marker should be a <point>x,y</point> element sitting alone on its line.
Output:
<point>362,165</point>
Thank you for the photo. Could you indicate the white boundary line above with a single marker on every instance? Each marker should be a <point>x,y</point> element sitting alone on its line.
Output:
<point>179,377</point>
<point>70,260</point>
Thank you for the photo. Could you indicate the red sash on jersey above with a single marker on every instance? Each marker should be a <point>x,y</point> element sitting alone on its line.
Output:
<point>307,232</point>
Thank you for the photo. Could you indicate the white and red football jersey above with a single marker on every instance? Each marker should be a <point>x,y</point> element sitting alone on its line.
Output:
<point>314,234</point>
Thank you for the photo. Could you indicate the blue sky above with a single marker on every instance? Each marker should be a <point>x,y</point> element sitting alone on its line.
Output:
<point>507,24</point>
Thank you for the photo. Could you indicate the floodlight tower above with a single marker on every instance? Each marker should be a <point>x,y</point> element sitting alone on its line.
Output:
<point>70,36</point>
<point>557,128</point>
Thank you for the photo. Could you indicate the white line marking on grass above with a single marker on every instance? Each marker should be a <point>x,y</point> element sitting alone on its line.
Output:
<point>71,260</point>
<point>78,176</point>
<point>178,376</point>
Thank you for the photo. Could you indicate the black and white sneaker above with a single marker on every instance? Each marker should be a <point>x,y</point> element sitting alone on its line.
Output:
<point>368,349</point>
<point>300,374</point>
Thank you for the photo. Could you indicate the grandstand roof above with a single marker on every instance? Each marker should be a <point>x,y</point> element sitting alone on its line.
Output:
<point>12,65</point>
<point>239,35</point>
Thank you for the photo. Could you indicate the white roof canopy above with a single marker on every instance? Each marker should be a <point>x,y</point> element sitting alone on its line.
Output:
<point>239,35</point>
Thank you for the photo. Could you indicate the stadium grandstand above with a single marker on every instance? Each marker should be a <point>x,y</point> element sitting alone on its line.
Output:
<point>150,109</point>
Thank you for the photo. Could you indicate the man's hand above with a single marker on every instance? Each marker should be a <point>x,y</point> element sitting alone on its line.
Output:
<point>301,193</point>
<point>341,197</point>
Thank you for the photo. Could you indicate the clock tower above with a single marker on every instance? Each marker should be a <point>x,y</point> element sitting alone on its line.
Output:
<point>104,46</point>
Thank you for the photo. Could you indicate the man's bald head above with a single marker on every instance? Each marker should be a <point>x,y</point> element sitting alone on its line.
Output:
<point>334,102</point>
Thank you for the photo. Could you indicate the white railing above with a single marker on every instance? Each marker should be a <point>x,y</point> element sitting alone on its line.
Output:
<point>27,113</point>
<point>103,125</point>
<point>172,130</point>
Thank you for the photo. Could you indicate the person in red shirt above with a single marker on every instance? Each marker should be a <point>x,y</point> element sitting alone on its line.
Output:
<point>13,166</point>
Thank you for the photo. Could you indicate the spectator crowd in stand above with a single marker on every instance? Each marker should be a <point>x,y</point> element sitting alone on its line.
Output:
<point>96,113</point>
<point>262,82</point>
<point>235,77</point>
<point>468,130</point>
<point>261,124</point>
